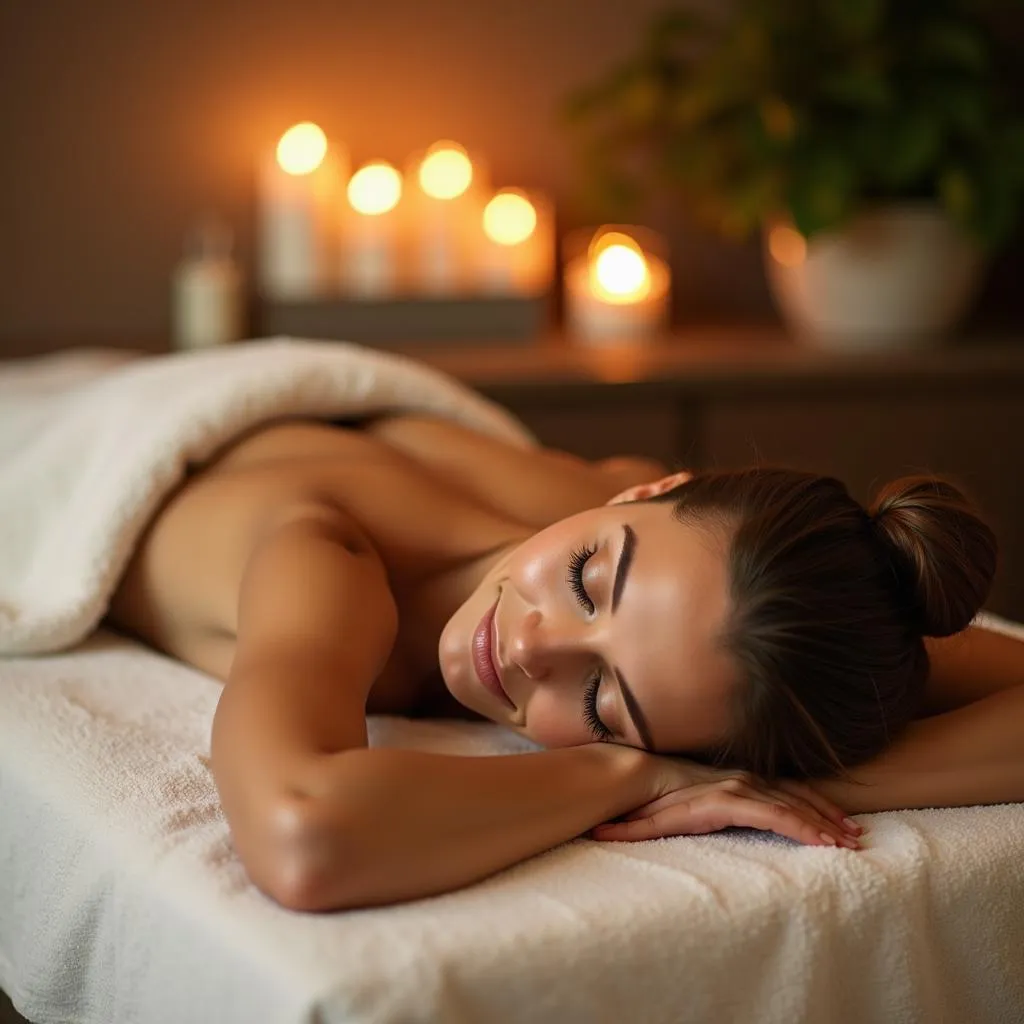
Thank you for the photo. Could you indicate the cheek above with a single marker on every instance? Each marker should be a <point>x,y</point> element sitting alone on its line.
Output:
<point>555,721</point>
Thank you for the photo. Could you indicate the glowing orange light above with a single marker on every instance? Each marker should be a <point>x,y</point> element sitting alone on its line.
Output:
<point>618,269</point>
<point>375,188</point>
<point>302,148</point>
<point>787,246</point>
<point>446,171</point>
<point>509,218</point>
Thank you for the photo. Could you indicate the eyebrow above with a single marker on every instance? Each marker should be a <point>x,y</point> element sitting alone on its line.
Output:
<point>639,722</point>
<point>625,561</point>
<point>621,573</point>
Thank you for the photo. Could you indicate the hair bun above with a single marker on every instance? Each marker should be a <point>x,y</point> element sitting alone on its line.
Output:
<point>943,553</point>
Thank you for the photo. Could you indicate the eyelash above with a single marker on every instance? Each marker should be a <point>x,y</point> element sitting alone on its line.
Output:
<point>577,560</point>
<point>597,727</point>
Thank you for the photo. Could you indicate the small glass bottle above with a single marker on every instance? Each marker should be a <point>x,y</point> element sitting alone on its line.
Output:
<point>207,300</point>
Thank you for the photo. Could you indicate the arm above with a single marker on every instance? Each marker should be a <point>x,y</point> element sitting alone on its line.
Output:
<point>971,665</point>
<point>971,749</point>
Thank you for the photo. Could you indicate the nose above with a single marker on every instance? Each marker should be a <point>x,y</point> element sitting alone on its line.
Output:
<point>537,649</point>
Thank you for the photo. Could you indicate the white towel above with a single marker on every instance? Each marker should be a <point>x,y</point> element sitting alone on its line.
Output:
<point>90,444</point>
<point>121,897</point>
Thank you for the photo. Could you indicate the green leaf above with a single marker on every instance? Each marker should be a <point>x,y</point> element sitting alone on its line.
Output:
<point>856,18</point>
<point>955,44</point>
<point>820,193</point>
<point>857,87</point>
<point>910,146</point>
<point>957,194</point>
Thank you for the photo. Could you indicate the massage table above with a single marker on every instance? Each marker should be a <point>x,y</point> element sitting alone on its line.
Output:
<point>122,899</point>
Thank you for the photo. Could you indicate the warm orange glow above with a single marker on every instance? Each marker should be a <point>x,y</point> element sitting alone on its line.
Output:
<point>375,188</point>
<point>446,171</point>
<point>618,269</point>
<point>787,245</point>
<point>302,148</point>
<point>509,218</point>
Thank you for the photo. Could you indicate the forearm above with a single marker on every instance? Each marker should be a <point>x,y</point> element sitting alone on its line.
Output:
<point>972,755</point>
<point>385,825</point>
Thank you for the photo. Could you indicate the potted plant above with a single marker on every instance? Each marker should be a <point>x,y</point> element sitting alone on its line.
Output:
<point>873,142</point>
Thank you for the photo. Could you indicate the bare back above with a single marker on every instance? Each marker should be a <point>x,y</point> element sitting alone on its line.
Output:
<point>428,496</point>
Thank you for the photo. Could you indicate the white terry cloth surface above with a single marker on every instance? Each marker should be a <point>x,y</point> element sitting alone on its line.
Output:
<point>90,444</point>
<point>121,899</point>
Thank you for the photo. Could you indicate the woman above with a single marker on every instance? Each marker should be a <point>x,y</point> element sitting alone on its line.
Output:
<point>759,623</point>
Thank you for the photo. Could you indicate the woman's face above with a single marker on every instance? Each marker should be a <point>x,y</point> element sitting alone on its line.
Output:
<point>600,627</point>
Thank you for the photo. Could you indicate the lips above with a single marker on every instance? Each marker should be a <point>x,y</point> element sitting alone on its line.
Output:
<point>484,660</point>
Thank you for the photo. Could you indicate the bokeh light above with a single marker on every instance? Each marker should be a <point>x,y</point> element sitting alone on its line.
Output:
<point>302,148</point>
<point>618,268</point>
<point>375,188</point>
<point>509,218</point>
<point>446,171</point>
<point>787,246</point>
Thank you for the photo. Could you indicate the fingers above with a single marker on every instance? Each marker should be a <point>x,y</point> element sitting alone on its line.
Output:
<point>825,807</point>
<point>730,803</point>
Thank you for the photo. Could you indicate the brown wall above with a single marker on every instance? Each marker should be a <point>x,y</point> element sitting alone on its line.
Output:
<point>121,120</point>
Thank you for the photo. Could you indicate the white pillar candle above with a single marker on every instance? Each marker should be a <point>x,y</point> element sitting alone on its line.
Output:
<point>518,251</point>
<point>207,305</point>
<point>371,232</point>
<point>299,186</point>
<point>445,205</point>
<point>616,292</point>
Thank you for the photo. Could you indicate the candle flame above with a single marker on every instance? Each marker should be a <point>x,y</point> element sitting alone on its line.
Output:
<point>509,218</point>
<point>301,150</point>
<point>375,188</point>
<point>446,171</point>
<point>618,269</point>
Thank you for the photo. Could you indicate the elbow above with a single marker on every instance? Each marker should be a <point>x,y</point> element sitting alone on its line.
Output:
<point>312,861</point>
<point>294,862</point>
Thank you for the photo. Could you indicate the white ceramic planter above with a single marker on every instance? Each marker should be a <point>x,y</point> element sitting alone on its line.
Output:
<point>897,277</point>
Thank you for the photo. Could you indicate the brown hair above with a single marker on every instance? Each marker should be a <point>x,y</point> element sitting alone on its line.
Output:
<point>830,604</point>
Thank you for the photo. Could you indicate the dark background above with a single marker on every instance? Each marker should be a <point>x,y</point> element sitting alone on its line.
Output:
<point>122,121</point>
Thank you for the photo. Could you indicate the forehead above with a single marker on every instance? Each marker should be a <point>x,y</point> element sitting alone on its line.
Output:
<point>672,613</point>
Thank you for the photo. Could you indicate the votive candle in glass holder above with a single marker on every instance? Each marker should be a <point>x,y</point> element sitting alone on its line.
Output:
<point>617,286</point>
<point>445,192</point>
<point>298,192</point>
<point>371,244</point>
<point>517,254</point>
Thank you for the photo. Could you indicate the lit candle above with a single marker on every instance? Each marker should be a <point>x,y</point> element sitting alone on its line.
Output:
<point>616,291</point>
<point>445,207</point>
<point>371,235</point>
<point>518,254</point>
<point>298,197</point>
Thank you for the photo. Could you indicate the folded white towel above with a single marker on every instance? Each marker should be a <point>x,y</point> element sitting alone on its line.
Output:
<point>91,443</point>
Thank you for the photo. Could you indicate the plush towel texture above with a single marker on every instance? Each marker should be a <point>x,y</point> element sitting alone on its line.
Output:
<point>121,898</point>
<point>91,443</point>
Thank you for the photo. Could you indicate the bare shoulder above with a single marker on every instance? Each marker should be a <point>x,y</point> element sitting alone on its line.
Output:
<point>533,486</point>
<point>180,590</point>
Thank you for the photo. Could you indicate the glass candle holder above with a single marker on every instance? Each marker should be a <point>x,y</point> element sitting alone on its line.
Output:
<point>617,285</point>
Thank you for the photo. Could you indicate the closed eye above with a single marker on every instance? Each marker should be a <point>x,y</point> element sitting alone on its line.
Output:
<point>577,562</point>
<point>600,731</point>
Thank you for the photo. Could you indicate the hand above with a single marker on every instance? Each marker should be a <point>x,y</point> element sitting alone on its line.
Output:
<point>704,799</point>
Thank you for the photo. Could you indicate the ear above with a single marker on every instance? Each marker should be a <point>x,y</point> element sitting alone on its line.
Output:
<point>652,489</point>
